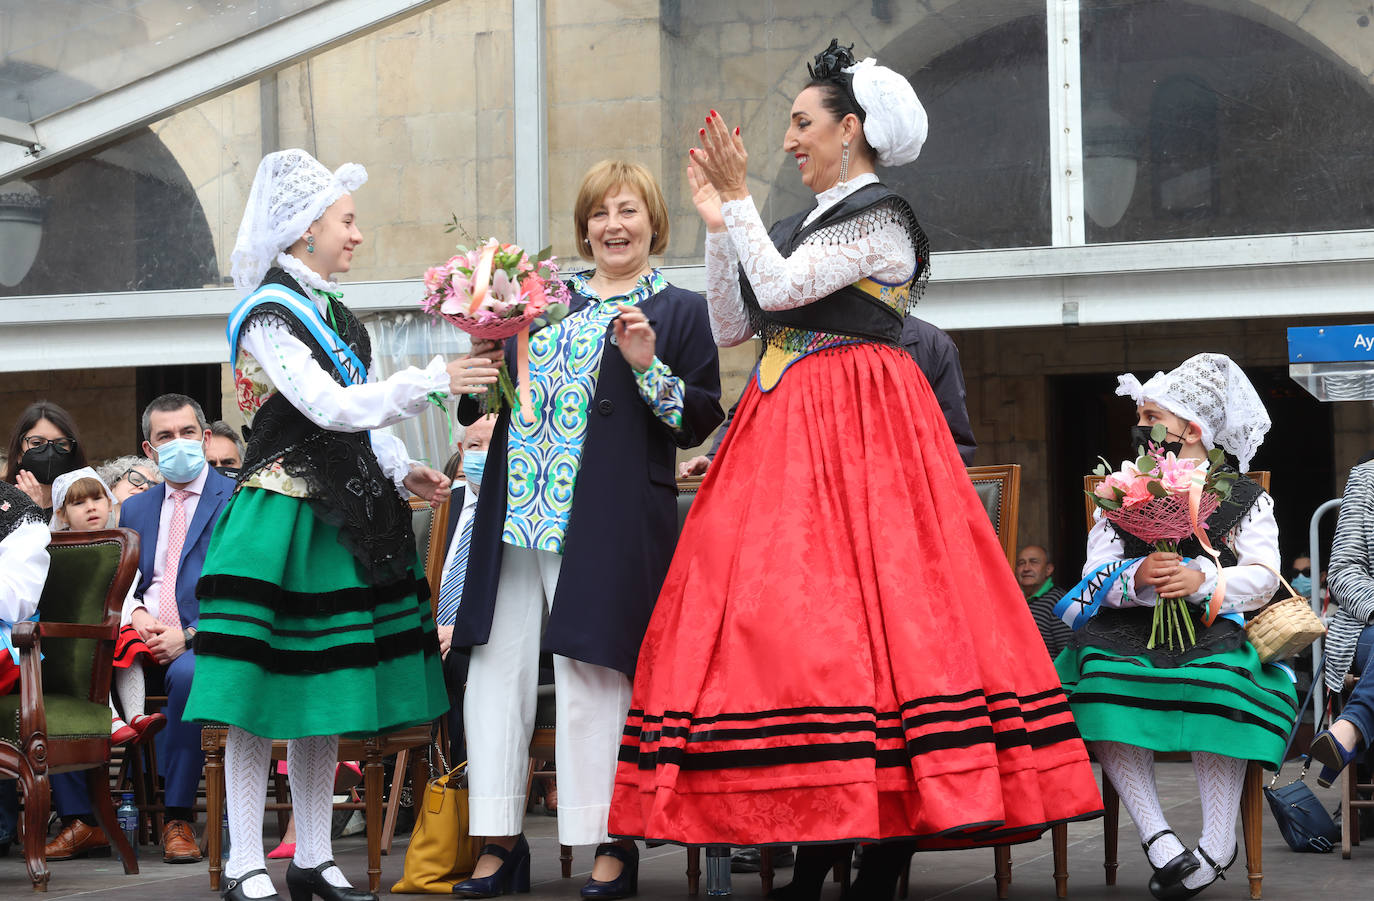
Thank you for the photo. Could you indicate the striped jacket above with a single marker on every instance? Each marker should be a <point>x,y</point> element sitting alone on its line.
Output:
<point>1350,574</point>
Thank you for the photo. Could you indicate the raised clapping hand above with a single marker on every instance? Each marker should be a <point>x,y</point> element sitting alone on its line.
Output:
<point>706,198</point>
<point>722,159</point>
<point>635,337</point>
<point>26,483</point>
<point>1166,574</point>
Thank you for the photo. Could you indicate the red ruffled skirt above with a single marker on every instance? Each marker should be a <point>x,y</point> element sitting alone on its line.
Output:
<point>840,650</point>
<point>130,649</point>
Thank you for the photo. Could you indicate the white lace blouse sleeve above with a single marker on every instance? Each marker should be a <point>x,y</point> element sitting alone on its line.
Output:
<point>354,408</point>
<point>729,322</point>
<point>394,458</point>
<point>23,570</point>
<point>876,245</point>
<point>1249,584</point>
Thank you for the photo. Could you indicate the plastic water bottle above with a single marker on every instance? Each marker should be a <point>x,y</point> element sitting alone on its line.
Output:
<point>224,835</point>
<point>127,814</point>
<point>718,871</point>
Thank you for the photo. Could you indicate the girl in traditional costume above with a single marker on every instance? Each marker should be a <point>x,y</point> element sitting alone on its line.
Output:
<point>810,673</point>
<point>1213,698</point>
<point>314,621</point>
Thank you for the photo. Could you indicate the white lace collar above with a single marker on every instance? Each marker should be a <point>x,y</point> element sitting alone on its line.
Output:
<point>831,196</point>
<point>305,275</point>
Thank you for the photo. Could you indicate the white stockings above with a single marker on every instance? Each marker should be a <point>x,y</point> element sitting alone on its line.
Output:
<point>1219,781</point>
<point>246,758</point>
<point>129,686</point>
<point>1132,771</point>
<point>310,765</point>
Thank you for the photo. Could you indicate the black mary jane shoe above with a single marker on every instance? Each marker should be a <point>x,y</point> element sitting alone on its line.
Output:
<point>626,885</point>
<point>302,884</point>
<point>512,878</point>
<point>1172,872</point>
<point>233,888</point>
<point>1179,892</point>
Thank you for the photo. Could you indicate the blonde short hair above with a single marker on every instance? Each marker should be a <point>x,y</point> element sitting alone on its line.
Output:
<point>607,175</point>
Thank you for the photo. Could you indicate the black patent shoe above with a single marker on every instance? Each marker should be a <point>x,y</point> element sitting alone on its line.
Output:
<point>1179,892</point>
<point>511,879</point>
<point>233,888</point>
<point>302,884</point>
<point>626,885</point>
<point>1172,872</point>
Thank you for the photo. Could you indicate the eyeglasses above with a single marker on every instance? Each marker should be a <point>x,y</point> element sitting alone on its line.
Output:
<point>63,445</point>
<point>136,478</point>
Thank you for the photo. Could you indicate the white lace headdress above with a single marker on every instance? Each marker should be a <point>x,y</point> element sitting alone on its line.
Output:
<point>1211,390</point>
<point>63,483</point>
<point>290,191</point>
<point>895,123</point>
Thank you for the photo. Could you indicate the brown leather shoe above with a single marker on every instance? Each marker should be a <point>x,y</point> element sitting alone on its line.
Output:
<point>179,843</point>
<point>77,840</point>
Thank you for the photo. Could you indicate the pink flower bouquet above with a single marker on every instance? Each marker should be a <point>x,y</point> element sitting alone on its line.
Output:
<point>495,291</point>
<point>1162,499</point>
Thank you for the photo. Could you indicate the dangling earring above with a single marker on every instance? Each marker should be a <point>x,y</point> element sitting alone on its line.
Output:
<point>844,164</point>
<point>310,239</point>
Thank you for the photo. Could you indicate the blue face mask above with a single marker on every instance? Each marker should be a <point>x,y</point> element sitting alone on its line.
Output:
<point>1302,585</point>
<point>474,461</point>
<point>181,459</point>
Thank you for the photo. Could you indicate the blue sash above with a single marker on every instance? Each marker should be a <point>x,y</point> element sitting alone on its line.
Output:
<point>1081,602</point>
<point>345,361</point>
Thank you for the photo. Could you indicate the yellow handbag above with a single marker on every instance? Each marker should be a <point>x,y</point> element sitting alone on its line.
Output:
<point>441,851</point>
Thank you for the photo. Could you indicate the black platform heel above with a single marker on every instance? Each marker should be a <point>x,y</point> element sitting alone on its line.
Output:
<point>302,884</point>
<point>513,878</point>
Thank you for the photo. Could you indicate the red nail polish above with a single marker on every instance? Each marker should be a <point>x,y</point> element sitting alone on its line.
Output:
<point>701,131</point>
<point>714,113</point>
<point>736,131</point>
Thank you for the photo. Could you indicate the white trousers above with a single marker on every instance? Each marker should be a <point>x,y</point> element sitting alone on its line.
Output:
<point>498,712</point>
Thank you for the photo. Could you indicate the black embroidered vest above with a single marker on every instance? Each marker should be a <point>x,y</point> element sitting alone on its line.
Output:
<point>346,484</point>
<point>16,509</point>
<point>851,311</point>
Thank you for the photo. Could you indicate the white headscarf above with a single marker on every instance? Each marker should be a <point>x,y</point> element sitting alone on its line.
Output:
<point>291,190</point>
<point>63,483</point>
<point>1211,390</point>
<point>895,123</point>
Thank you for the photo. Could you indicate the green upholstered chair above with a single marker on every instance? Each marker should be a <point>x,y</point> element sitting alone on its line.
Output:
<point>59,719</point>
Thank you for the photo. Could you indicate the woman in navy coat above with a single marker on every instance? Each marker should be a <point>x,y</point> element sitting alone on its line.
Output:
<point>569,557</point>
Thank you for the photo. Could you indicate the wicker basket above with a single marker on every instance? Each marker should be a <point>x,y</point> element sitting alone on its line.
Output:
<point>1284,628</point>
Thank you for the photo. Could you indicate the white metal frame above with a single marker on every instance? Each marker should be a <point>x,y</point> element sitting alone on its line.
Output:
<point>1066,124</point>
<point>115,113</point>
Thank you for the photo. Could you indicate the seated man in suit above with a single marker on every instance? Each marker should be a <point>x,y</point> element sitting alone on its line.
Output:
<point>23,570</point>
<point>174,521</point>
<point>462,506</point>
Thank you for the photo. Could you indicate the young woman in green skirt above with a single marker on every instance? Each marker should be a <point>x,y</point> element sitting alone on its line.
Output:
<point>1213,698</point>
<point>315,620</point>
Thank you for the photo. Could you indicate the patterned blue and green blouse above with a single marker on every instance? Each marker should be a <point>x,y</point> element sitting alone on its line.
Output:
<point>543,456</point>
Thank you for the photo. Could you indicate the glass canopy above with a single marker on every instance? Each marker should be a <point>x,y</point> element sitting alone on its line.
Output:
<point>58,53</point>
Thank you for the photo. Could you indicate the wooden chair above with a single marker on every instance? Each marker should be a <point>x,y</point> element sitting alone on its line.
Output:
<point>1354,793</point>
<point>1251,796</point>
<point>59,720</point>
<point>407,745</point>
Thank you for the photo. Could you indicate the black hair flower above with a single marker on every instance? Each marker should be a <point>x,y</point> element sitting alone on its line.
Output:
<point>832,61</point>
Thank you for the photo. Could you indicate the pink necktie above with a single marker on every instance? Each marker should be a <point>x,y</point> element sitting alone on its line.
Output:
<point>176,536</point>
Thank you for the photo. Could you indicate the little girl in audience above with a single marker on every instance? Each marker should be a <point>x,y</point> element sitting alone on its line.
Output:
<point>82,503</point>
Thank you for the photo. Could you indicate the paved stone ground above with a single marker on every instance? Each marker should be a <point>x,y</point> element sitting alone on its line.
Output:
<point>949,876</point>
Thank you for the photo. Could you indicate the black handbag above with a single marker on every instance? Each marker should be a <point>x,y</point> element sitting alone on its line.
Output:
<point>1304,822</point>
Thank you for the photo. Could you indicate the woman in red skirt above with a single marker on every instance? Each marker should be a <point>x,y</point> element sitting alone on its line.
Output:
<point>840,652</point>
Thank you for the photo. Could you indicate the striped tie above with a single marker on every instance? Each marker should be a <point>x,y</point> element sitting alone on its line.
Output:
<point>451,589</point>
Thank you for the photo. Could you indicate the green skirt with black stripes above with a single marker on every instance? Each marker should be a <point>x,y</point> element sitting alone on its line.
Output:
<point>292,639</point>
<point>1225,702</point>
